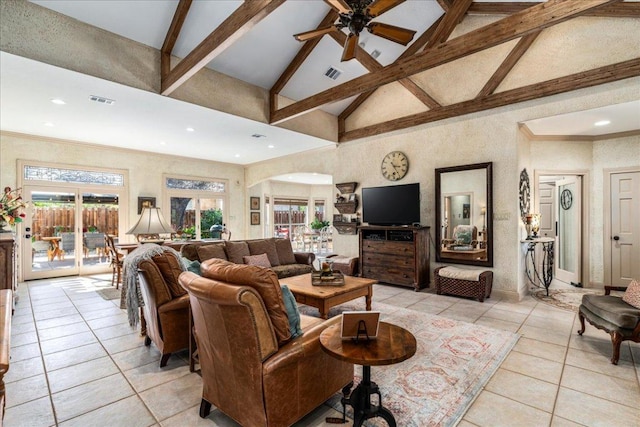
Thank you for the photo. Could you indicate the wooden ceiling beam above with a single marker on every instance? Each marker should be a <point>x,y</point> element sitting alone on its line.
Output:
<point>444,4</point>
<point>507,65</point>
<point>235,26</point>
<point>511,27</point>
<point>584,79</point>
<point>172,36</point>
<point>452,18</point>
<point>297,61</point>
<point>619,10</point>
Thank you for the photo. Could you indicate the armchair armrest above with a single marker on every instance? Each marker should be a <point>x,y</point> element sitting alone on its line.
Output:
<point>608,289</point>
<point>304,257</point>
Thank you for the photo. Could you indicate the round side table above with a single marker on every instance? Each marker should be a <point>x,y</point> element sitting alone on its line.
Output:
<point>393,345</point>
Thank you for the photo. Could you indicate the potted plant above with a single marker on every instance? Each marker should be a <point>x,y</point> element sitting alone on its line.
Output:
<point>317,224</point>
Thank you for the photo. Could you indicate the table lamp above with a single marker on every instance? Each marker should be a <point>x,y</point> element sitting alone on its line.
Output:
<point>150,225</point>
<point>535,224</point>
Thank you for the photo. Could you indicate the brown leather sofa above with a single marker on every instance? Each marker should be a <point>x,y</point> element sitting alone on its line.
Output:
<point>284,261</point>
<point>251,369</point>
<point>166,304</point>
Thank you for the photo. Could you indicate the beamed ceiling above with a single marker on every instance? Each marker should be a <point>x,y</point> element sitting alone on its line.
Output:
<point>252,41</point>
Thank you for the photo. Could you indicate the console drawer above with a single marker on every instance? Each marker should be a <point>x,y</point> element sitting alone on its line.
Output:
<point>393,275</point>
<point>387,247</point>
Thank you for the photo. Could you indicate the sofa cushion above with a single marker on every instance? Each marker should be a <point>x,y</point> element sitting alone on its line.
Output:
<point>236,250</point>
<point>293,314</point>
<point>215,250</point>
<point>170,268</point>
<point>291,270</point>
<point>192,265</point>
<point>263,280</point>
<point>285,251</point>
<point>265,246</point>
<point>261,260</point>
<point>632,294</point>
<point>613,310</point>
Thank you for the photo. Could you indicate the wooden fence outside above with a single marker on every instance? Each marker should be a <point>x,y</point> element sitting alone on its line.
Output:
<point>47,221</point>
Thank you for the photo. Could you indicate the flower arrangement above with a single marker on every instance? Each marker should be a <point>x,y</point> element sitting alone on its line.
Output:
<point>11,204</point>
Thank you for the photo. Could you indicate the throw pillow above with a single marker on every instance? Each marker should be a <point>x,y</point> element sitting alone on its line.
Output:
<point>236,250</point>
<point>293,313</point>
<point>265,246</point>
<point>285,251</point>
<point>170,269</point>
<point>206,252</point>
<point>263,280</point>
<point>632,294</point>
<point>192,266</point>
<point>261,260</point>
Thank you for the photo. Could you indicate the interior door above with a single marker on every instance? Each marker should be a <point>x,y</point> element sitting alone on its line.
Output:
<point>547,209</point>
<point>625,231</point>
<point>569,230</point>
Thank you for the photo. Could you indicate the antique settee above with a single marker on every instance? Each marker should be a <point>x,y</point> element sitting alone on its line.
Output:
<point>252,368</point>
<point>281,257</point>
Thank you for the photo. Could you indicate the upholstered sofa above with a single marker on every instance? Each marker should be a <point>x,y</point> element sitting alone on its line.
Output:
<point>282,259</point>
<point>252,369</point>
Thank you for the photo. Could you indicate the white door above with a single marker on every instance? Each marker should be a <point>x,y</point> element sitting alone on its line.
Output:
<point>569,228</point>
<point>547,209</point>
<point>625,231</point>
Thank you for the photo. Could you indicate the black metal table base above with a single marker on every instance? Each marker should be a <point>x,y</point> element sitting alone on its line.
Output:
<point>360,400</point>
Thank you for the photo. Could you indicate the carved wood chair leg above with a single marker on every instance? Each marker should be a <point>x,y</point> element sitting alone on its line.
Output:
<point>581,317</point>
<point>164,360</point>
<point>616,340</point>
<point>205,408</point>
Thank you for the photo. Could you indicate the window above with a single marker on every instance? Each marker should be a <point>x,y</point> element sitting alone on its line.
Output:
<point>74,176</point>
<point>288,213</point>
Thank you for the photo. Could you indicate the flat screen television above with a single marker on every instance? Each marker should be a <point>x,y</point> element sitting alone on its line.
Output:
<point>391,205</point>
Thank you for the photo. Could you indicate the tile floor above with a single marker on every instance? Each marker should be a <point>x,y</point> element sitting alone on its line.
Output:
<point>76,362</point>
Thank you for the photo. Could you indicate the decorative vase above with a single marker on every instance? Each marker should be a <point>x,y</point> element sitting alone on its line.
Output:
<point>5,227</point>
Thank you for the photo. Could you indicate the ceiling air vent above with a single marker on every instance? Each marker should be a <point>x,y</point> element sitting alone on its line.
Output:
<point>375,53</point>
<point>333,73</point>
<point>102,100</point>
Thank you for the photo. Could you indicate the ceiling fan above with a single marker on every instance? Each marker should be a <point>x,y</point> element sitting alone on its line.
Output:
<point>356,16</point>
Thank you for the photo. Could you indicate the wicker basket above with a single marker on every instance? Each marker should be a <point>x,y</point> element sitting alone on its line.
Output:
<point>464,288</point>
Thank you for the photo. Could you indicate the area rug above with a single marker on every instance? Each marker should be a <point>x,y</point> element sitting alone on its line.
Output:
<point>567,299</point>
<point>453,362</point>
<point>109,293</point>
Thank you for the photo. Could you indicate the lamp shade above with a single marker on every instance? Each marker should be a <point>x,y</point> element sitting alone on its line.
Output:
<point>151,222</point>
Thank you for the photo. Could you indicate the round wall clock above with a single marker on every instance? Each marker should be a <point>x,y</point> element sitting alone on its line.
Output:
<point>395,165</point>
<point>566,199</point>
<point>525,194</point>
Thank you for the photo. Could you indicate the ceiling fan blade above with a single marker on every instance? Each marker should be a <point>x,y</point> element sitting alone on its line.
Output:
<point>391,32</point>
<point>378,7</point>
<point>340,5</point>
<point>349,51</point>
<point>303,37</point>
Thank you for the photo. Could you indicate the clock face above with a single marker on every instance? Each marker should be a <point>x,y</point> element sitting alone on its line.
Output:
<point>395,166</point>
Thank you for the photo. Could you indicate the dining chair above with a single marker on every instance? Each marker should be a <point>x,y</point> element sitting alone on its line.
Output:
<point>116,260</point>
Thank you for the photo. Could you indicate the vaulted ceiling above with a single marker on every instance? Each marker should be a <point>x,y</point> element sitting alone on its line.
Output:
<point>253,41</point>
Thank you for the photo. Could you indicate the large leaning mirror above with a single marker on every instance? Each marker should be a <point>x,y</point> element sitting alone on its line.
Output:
<point>464,209</point>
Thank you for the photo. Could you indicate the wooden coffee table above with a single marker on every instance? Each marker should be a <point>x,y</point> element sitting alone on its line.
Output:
<point>393,344</point>
<point>325,297</point>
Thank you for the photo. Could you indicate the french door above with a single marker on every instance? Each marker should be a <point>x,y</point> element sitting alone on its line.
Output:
<point>569,230</point>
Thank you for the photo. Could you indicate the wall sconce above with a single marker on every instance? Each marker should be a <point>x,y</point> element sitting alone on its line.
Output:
<point>150,225</point>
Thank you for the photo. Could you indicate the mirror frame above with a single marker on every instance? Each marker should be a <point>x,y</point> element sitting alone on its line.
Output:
<point>488,167</point>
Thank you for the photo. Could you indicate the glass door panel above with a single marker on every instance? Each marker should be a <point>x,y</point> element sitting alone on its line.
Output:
<point>569,230</point>
<point>211,224</point>
<point>99,218</point>
<point>183,216</point>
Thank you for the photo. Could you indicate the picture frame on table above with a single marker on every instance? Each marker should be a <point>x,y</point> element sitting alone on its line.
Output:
<point>255,218</point>
<point>337,218</point>
<point>254,203</point>
<point>146,202</point>
<point>352,197</point>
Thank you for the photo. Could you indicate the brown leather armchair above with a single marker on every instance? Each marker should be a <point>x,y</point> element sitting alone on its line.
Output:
<point>166,304</point>
<point>247,374</point>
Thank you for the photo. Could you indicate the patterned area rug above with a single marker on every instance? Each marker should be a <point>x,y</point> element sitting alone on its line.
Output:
<point>567,299</point>
<point>109,293</point>
<point>452,364</point>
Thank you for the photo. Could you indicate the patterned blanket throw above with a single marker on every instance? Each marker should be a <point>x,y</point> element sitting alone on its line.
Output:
<point>130,276</point>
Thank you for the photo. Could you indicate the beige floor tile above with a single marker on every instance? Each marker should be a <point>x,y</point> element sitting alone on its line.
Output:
<point>103,312</point>
<point>39,304</point>
<point>518,307</point>
<point>19,319</point>
<point>600,363</point>
<point>23,339</point>
<point>506,315</point>
<point>73,402</point>
<point>498,324</point>
<point>39,413</point>
<point>151,375</point>
<point>25,352</point>
<point>550,324</point>
<point>113,331</point>
<point>623,391</point>
<point>561,422</point>
<point>51,333</point>
<point>105,322</point>
<point>547,311</point>
<point>593,411</point>
<point>492,410</point>
<point>541,349</point>
<point>64,343</point>
<point>58,321</point>
<point>73,356</point>
<point>545,335</point>
<point>524,389</point>
<point>190,417</point>
<point>125,342</point>
<point>81,373</point>
<point>600,344</point>
<point>173,397</point>
<point>87,306</point>
<point>129,412</point>
<point>533,366</point>
<point>54,314</point>
<point>136,357</point>
<point>24,369</point>
<point>25,390</point>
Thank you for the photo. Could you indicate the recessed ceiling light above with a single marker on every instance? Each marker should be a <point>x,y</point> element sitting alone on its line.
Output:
<point>48,124</point>
<point>102,100</point>
<point>190,130</point>
<point>602,123</point>
<point>258,135</point>
<point>237,155</point>
<point>58,101</point>
<point>289,177</point>
<point>315,174</point>
<point>163,143</point>
<point>270,146</point>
